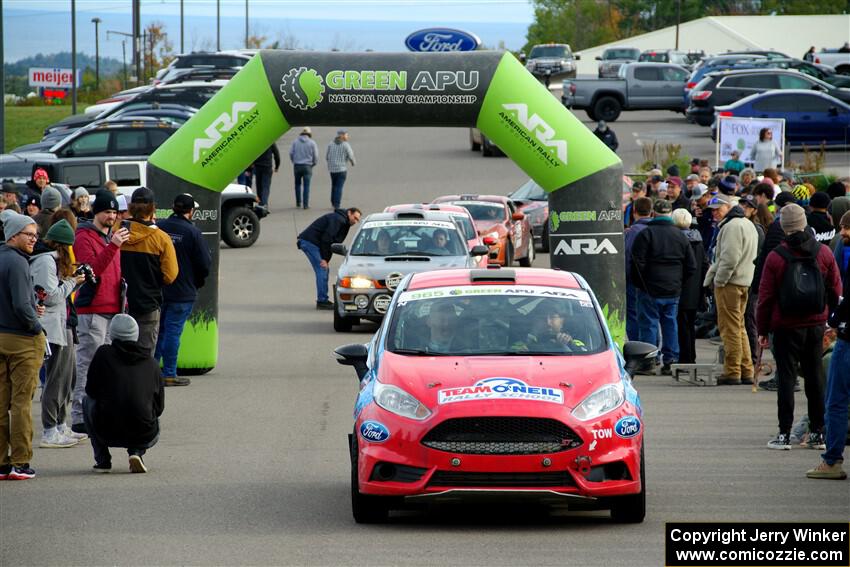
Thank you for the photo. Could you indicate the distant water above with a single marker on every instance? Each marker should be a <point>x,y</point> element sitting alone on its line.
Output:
<point>200,33</point>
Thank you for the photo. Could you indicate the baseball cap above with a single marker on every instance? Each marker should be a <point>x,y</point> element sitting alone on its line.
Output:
<point>9,187</point>
<point>698,191</point>
<point>728,185</point>
<point>341,131</point>
<point>142,195</point>
<point>656,179</point>
<point>692,177</point>
<point>748,201</point>
<point>307,130</point>
<point>719,201</point>
<point>663,207</point>
<point>185,202</point>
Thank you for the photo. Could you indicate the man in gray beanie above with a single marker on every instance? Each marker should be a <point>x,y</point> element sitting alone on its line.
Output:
<point>800,285</point>
<point>51,200</point>
<point>22,347</point>
<point>124,397</point>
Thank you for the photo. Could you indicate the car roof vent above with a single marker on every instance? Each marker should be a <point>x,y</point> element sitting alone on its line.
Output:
<point>497,274</point>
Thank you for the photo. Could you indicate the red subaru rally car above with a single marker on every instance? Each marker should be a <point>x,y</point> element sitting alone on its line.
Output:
<point>500,382</point>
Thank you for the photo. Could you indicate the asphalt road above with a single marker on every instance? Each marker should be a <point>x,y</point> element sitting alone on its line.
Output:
<point>252,465</point>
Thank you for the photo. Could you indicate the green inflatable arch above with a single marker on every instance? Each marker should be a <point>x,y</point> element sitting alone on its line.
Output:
<point>492,91</point>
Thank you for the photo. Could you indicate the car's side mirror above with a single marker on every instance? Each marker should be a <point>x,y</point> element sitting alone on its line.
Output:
<point>353,355</point>
<point>489,241</point>
<point>479,250</point>
<point>598,58</point>
<point>517,216</point>
<point>578,57</point>
<point>340,249</point>
<point>636,352</point>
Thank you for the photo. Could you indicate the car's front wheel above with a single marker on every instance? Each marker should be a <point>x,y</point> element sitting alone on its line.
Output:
<point>341,324</point>
<point>631,509</point>
<point>240,227</point>
<point>365,508</point>
<point>704,120</point>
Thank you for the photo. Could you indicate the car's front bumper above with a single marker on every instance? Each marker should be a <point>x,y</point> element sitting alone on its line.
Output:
<point>369,304</point>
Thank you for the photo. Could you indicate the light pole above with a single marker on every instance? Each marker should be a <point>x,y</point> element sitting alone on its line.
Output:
<point>181,26</point>
<point>678,20</point>
<point>137,39</point>
<point>73,57</point>
<point>96,21</point>
<point>123,50</point>
<point>218,25</point>
<point>246,24</point>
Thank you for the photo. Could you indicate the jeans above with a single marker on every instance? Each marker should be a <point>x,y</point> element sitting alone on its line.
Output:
<point>731,308</point>
<point>263,175</point>
<point>92,333</point>
<point>337,181</point>
<point>655,311</point>
<point>314,255</point>
<point>632,329</point>
<point>303,175</point>
<point>800,347</point>
<point>245,178</point>
<point>837,398</point>
<point>171,321</point>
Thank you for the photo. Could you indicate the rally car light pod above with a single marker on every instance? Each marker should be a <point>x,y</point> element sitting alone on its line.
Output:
<point>601,401</point>
<point>361,301</point>
<point>397,401</point>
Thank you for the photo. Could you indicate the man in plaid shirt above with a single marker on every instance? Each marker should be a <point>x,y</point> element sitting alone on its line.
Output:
<point>339,155</point>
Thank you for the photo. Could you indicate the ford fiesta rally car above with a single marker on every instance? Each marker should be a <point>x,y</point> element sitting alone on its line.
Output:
<point>498,382</point>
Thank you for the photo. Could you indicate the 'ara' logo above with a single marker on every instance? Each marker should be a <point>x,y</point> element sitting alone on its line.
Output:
<point>591,246</point>
<point>224,123</point>
<point>540,128</point>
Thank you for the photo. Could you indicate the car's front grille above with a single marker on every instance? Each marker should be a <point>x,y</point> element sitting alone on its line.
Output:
<point>500,480</point>
<point>502,436</point>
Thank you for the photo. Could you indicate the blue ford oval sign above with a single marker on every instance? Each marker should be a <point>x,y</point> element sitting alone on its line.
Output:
<point>374,431</point>
<point>627,427</point>
<point>435,40</point>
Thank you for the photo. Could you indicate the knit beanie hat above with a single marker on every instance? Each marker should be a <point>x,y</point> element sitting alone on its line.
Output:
<point>80,192</point>
<point>61,232</point>
<point>104,200</point>
<point>51,198</point>
<point>836,189</point>
<point>15,223</point>
<point>123,328</point>
<point>793,218</point>
<point>819,200</point>
<point>801,193</point>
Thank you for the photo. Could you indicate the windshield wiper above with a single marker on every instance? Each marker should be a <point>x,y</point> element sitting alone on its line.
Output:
<point>416,352</point>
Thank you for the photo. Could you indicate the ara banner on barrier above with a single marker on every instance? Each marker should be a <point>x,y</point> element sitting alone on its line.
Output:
<point>492,91</point>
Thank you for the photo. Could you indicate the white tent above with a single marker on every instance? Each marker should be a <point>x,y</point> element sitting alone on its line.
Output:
<point>792,35</point>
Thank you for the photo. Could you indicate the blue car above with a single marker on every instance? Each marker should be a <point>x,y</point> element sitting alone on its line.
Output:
<point>811,117</point>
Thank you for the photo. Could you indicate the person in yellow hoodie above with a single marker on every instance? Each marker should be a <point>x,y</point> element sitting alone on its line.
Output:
<point>148,262</point>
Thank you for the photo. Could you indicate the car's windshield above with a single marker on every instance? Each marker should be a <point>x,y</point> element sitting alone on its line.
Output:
<point>465,224</point>
<point>620,54</point>
<point>531,191</point>
<point>419,237</point>
<point>549,51</point>
<point>483,210</point>
<point>495,320</point>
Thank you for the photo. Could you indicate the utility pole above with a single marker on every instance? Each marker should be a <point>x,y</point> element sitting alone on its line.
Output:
<point>137,37</point>
<point>678,20</point>
<point>218,25</point>
<point>144,56</point>
<point>2,91</point>
<point>96,21</point>
<point>181,26</point>
<point>123,50</point>
<point>73,57</point>
<point>246,24</point>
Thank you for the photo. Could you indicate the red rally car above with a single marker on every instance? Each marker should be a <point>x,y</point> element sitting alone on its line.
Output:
<point>496,382</point>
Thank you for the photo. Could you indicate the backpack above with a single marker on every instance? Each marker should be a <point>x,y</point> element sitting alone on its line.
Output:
<point>802,290</point>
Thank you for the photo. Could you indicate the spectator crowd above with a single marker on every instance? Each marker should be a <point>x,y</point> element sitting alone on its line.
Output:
<point>756,261</point>
<point>98,294</point>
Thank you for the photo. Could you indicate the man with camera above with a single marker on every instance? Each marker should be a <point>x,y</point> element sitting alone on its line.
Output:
<point>99,299</point>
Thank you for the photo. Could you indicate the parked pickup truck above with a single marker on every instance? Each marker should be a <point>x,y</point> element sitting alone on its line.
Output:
<point>839,60</point>
<point>640,86</point>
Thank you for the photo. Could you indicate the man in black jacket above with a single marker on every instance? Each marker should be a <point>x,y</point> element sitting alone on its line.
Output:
<point>607,135</point>
<point>178,298</point>
<point>124,397</point>
<point>263,172</point>
<point>661,261</point>
<point>818,219</point>
<point>315,241</point>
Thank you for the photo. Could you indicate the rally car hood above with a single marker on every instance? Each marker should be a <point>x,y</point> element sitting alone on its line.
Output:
<point>377,267</point>
<point>484,227</point>
<point>428,378</point>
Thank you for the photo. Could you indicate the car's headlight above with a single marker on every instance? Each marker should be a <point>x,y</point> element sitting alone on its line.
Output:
<point>357,282</point>
<point>600,402</point>
<point>397,401</point>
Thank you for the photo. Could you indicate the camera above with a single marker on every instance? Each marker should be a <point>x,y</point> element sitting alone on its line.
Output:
<point>87,271</point>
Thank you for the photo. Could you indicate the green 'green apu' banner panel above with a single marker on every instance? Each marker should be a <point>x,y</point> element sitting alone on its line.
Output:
<point>488,90</point>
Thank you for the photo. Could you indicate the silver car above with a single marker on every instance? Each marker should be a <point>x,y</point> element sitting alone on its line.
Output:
<point>387,247</point>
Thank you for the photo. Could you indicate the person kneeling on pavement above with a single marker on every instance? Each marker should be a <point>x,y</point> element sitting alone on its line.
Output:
<point>124,397</point>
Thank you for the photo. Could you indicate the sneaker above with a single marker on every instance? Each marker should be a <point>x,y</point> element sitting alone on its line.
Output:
<point>828,472</point>
<point>68,432</point>
<point>816,441</point>
<point>747,380</point>
<point>4,471</point>
<point>102,468</point>
<point>782,441</point>
<point>325,305</point>
<point>137,465</point>
<point>728,380</point>
<point>79,428</point>
<point>23,472</point>
<point>666,371</point>
<point>176,381</point>
<point>53,438</point>
<point>772,385</point>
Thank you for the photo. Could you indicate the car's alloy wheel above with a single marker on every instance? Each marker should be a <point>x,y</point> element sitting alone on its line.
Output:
<point>365,508</point>
<point>631,509</point>
<point>607,108</point>
<point>240,227</point>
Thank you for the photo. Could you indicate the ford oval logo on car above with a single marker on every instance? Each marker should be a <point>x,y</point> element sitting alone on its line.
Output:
<point>627,427</point>
<point>436,40</point>
<point>374,431</point>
